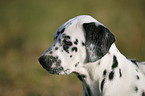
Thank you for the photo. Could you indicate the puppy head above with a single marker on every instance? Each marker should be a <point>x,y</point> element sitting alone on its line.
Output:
<point>78,41</point>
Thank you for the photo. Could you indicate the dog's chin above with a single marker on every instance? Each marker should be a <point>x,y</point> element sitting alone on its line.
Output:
<point>54,71</point>
<point>58,72</point>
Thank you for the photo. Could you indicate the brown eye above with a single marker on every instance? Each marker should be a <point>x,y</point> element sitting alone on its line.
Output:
<point>68,43</point>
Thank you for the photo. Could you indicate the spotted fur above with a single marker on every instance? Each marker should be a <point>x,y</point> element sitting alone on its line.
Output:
<point>85,47</point>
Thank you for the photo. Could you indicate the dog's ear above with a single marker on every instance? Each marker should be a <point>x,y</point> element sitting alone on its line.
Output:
<point>98,41</point>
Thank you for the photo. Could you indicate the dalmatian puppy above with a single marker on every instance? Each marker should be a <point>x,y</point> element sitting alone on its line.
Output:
<point>85,47</point>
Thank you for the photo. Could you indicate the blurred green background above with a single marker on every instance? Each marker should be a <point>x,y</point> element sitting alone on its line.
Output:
<point>27,28</point>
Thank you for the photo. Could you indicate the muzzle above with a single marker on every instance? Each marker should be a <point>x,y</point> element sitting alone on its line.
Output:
<point>51,64</point>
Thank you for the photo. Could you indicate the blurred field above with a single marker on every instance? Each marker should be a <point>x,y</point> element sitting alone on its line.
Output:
<point>27,28</point>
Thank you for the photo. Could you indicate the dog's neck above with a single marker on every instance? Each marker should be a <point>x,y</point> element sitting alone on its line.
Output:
<point>91,74</point>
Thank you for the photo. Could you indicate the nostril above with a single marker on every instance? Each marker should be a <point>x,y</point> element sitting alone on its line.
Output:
<point>42,60</point>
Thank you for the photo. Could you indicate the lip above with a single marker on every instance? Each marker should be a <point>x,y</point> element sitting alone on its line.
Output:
<point>54,71</point>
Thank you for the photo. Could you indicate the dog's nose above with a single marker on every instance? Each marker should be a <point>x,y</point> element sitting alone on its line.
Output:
<point>42,60</point>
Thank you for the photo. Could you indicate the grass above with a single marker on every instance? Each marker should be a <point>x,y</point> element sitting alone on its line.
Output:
<point>26,31</point>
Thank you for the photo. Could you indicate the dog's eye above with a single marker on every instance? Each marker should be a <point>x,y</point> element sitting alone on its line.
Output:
<point>68,43</point>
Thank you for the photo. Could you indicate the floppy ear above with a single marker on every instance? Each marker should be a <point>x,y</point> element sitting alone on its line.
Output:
<point>98,41</point>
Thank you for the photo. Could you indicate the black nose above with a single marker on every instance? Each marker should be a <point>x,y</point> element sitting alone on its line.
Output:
<point>42,60</point>
<point>48,61</point>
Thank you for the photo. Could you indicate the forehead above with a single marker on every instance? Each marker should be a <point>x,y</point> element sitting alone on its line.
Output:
<point>73,27</point>
<point>69,32</point>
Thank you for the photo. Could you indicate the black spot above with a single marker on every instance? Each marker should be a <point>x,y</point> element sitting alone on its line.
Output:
<point>67,37</point>
<point>83,76</point>
<point>62,30</point>
<point>70,56</point>
<point>50,52</point>
<point>111,75</point>
<point>58,33</point>
<point>83,43</point>
<point>104,73</point>
<point>102,84</point>
<point>120,73</point>
<point>137,77</point>
<point>136,88</point>
<point>63,34</point>
<point>115,62</point>
<point>143,93</point>
<point>99,63</point>
<point>66,48</point>
<point>76,64</point>
<point>74,49</point>
<point>79,76</point>
<point>56,37</point>
<point>59,40</point>
<point>56,57</point>
<point>134,62</point>
<point>56,48</point>
<point>76,42</point>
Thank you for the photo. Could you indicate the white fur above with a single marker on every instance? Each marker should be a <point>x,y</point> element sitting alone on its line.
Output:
<point>119,86</point>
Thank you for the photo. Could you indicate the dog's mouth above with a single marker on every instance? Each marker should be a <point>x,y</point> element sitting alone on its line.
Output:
<point>53,65</point>
<point>55,71</point>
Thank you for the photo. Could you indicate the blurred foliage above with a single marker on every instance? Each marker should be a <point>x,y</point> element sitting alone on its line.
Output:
<point>27,28</point>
